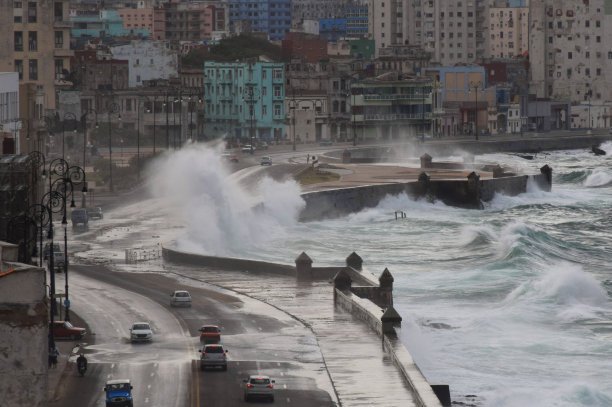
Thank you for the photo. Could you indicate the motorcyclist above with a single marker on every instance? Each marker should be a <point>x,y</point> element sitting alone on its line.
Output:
<point>82,363</point>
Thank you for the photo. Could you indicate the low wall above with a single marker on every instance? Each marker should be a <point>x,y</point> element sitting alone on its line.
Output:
<point>227,263</point>
<point>361,309</point>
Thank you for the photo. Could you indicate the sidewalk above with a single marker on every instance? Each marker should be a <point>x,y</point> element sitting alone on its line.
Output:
<point>64,367</point>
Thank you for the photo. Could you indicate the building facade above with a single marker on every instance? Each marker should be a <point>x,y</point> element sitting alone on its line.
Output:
<point>148,60</point>
<point>102,24</point>
<point>272,17</point>
<point>189,21</point>
<point>508,32</point>
<point>245,101</point>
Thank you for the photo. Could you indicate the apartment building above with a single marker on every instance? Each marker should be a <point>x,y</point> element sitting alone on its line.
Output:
<point>36,46</point>
<point>453,31</point>
<point>302,10</point>
<point>508,32</point>
<point>245,100</point>
<point>272,17</point>
<point>189,21</point>
<point>570,50</point>
<point>137,18</point>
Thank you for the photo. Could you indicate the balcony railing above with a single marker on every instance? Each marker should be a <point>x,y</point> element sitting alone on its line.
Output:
<point>399,116</point>
<point>396,96</point>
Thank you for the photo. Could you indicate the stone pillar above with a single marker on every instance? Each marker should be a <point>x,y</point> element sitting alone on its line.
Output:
<point>426,161</point>
<point>303,267</point>
<point>473,190</point>
<point>390,319</point>
<point>442,391</point>
<point>346,157</point>
<point>354,261</point>
<point>385,289</point>
<point>423,185</point>
<point>342,280</point>
<point>547,171</point>
<point>498,171</point>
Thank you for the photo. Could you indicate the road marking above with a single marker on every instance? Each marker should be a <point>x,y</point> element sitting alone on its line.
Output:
<point>278,364</point>
<point>146,400</point>
<point>152,374</point>
<point>288,400</point>
<point>282,373</point>
<point>148,386</point>
<point>284,386</point>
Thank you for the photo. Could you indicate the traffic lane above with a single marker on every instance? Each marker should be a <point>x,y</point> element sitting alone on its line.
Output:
<point>226,388</point>
<point>159,370</point>
<point>253,331</point>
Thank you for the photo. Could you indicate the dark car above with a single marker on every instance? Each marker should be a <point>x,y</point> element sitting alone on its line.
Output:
<point>95,213</point>
<point>59,261</point>
<point>79,217</point>
<point>56,248</point>
<point>65,330</point>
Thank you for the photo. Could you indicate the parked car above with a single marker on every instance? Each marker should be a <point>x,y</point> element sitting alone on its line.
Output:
<point>180,298</point>
<point>141,332</point>
<point>213,356</point>
<point>326,143</point>
<point>79,216</point>
<point>65,330</point>
<point>258,386</point>
<point>95,213</point>
<point>265,160</point>
<point>118,393</point>
<point>60,260</point>
<point>210,333</point>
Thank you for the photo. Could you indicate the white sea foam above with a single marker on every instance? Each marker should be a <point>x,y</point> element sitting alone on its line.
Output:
<point>598,178</point>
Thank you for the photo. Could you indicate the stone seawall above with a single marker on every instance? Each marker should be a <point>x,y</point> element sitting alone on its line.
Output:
<point>468,193</point>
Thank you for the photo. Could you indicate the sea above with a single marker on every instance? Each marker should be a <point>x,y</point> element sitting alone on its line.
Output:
<point>510,305</point>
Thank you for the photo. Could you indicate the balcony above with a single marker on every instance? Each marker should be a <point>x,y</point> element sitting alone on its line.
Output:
<point>398,116</point>
<point>62,24</point>
<point>396,96</point>
<point>63,53</point>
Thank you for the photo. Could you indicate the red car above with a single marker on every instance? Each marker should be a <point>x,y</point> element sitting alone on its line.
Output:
<point>210,333</point>
<point>64,329</point>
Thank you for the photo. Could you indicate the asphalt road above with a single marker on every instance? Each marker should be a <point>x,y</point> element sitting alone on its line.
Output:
<point>260,339</point>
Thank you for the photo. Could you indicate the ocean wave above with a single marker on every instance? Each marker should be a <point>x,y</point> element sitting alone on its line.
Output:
<point>598,178</point>
<point>573,177</point>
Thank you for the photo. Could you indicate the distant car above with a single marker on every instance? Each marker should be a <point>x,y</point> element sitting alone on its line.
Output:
<point>47,250</point>
<point>180,298</point>
<point>247,148</point>
<point>265,160</point>
<point>325,143</point>
<point>59,261</point>
<point>263,145</point>
<point>95,213</point>
<point>230,157</point>
<point>141,332</point>
<point>79,216</point>
<point>213,356</point>
<point>258,386</point>
<point>65,330</point>
<point>118,393</point>
<point>210,333</point>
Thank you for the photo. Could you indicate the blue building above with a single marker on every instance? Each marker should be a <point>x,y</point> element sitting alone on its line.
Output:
<point>332,29</point>
<point>105,23</point>
<point>357,22</point>
<point>267,16</point>
<point>245,100</point>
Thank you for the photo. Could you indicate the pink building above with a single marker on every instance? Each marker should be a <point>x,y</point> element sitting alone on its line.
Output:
<point>137,18</point>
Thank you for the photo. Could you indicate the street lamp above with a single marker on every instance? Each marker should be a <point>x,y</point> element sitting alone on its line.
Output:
<point>67,177</point>
<point>475,85</point>
<point>84,121</point>
<point>251,95</point>
<point>51,202</point>
<point>113,108</point>
<point>67,116</point>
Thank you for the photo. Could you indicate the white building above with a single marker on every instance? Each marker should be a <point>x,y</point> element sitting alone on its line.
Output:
<point>148,60</point>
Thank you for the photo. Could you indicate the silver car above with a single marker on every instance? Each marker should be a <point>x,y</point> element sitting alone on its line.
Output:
<point>258,386</point>
<point>141,332</point>
<point>180,298</point>
<point>212,356</point>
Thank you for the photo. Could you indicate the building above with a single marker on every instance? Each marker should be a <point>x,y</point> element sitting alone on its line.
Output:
<point>189,21</point>
<point>136,19</point>
<point>508,32</point>
<point>302,10</point>
<point>311,48</point>
<point>103,23</point>
<point>332,29</point>
<point>147,60</point>
<point>453,31</point>
<point>357,21</point>
<point>245,101</point>
<point>272,17</point>
<point>390,107</point>
<point>9,111</point>
<point>570,51</point>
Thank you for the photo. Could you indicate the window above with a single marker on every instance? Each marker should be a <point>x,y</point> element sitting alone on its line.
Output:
<point>277,91</point>
<point>19,68</point>
<point>33,41</point>
<point>59,39</point>
<point>31,12</point>
<point>277,74</point>
<point>569,55</point>
<point>264,110</point>
<point>59,68</point>
<point>264,74</point>
<point>277,110</point>
<point>18,40</point>
<point>33,74</point>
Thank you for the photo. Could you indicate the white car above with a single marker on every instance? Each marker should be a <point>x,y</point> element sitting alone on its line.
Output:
<point>266,160</point>
<point>141,332</point>
<point>258,386</point>
<point>180,298</point>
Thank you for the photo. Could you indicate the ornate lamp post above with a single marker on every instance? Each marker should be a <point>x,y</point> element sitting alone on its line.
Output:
<point>67,116</point>
<point>113,108</point>
<point>66,178</point>
<point>251,95</point>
